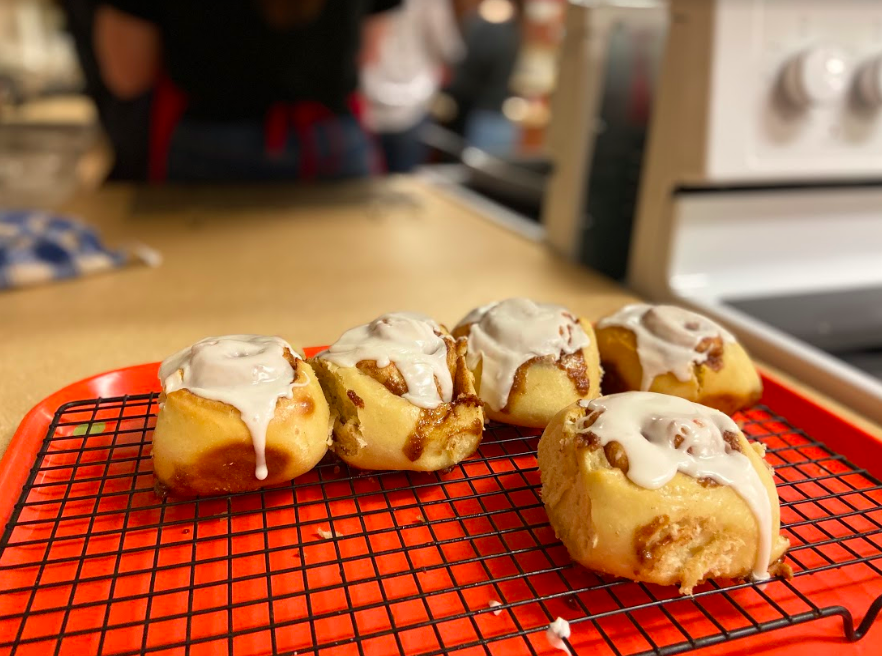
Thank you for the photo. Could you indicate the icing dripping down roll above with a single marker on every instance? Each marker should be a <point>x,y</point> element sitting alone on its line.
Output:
<point>669,339</point>
<point>663,435</point>
<point>412,342</point>
<point>249,372</point>
<point>507,334</point>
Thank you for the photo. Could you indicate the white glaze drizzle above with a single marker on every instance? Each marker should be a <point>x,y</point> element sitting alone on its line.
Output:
<point>506,334</point>
<point>477,314</point>
<point>666,338</point>
<point>248,372</point>
<point>412,342</point>
<point>646,425</point>
<point>556,632</point>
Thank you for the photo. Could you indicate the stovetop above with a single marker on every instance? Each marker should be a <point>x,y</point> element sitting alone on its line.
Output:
<point>845,323</point>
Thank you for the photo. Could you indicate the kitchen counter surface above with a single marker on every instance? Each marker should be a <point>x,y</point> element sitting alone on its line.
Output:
<point>302,263</point>
<point>305,264</point>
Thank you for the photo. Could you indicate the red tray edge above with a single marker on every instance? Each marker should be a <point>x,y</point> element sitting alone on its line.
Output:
<point>21,454</point>
<point>841,435</point>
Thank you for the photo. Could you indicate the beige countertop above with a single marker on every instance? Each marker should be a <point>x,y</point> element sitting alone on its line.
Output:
<point>302,263</point>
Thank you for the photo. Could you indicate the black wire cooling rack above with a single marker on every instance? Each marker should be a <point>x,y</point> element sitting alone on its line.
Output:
<point>348,562</point>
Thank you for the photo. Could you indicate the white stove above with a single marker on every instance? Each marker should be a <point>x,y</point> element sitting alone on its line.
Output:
<point>761,193</point>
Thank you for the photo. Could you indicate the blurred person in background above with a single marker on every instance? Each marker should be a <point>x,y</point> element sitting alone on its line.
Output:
<point>126,121</point>
<point>481,82</point>
<point>241,89</point>
<point>402,78</point>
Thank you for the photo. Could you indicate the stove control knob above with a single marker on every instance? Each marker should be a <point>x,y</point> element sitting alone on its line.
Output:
<point>869,82</point>
<point>816,76</point>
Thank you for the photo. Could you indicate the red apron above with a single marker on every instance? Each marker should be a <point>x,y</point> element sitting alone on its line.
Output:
<point>170,103</point>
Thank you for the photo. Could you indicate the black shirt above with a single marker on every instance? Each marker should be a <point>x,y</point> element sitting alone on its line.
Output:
<point>232,64</point>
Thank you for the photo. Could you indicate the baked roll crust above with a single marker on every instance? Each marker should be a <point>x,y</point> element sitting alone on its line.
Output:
<point>704,505</point>
<point>670,350</point>
<point>237,413</point>
<point>530,360</point>
<point>401,395</point>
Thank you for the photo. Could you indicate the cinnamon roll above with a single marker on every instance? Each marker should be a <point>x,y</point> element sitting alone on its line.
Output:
<point>670,350</point>
<point>658,489</point>
<point>237,413</point>
<point>401,395</point>
<point>529,359</point>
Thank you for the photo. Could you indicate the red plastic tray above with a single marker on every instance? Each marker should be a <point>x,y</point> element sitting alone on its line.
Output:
<point>116,571</point>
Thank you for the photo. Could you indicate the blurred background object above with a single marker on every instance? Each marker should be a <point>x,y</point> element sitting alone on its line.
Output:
<point>36,56</point>
<point>49,145</point>
<point>402,73</point>
<point>481,82</point>
<point>37,247</point>
<point>494,114</point>
<point>172,103</point>
<point>762,184</point>
<point>609,67</point>
<point>124,121</point>
<point>240,91</point>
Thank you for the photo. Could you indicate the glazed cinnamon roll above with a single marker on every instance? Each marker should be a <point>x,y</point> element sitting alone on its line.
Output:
<point>401,395</point>
<point>658,489</point>
<point>529,359</point>
<point>670,350</point>
<point>237,413</point>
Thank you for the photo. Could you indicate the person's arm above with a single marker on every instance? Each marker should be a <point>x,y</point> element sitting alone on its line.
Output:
<point>374,28</point>
<point>373,32</point>
<point>128,49</point>
<point>442,32</point>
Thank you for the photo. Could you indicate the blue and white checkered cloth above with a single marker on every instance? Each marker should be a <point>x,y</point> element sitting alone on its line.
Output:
<point>36,247</point>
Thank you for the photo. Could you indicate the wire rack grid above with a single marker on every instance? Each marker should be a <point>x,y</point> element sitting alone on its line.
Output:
<point>347,562</point>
